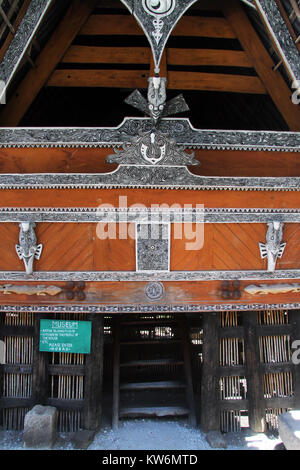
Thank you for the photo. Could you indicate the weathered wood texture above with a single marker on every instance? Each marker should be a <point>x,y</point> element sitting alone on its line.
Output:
<point>255,390</point>
<point>94,376</point>
<point>40,362</point>
<point>210,411</point>
<point>133,293</point>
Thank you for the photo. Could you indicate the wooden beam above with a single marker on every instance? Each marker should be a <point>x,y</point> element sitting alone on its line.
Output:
<point>178,56</point>
<point>100,78</point>
<point>215,82</point>
<point>263,63</point>
<point>138,79</point>
<point>142,55</point>
<point>107,55</point>
<point>116,25</point>
<point>46,62</point>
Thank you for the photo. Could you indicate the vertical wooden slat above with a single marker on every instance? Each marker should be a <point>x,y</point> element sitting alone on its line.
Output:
<point>257,420</point>
<point>39,366</point>
<point>94,375</point>
<point>295,336</point>
<point>210,413</point>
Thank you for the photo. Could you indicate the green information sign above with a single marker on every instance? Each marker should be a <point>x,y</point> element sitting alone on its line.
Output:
<point>69,336</point>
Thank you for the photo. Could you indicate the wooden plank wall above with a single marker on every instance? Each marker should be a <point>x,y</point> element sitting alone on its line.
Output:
<point>77,247</point>
<point>252,361</point>
<point>70,382</point>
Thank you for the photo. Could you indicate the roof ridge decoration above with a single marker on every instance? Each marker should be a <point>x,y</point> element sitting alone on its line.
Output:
<point>157,19</point>
<point>281,38</point>
<point>24,35</point>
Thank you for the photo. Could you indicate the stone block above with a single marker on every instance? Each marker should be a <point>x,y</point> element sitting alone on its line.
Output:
<point>82,439</point>
<point>289,429</point>
<point>40,427</point>
<point>216,440</point>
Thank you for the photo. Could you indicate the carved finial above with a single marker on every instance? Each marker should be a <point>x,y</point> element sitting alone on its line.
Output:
<point>273,248</point>
<point>28,250</point>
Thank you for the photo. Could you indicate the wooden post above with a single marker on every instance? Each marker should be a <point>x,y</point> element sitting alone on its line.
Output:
<point>188,372</point>
<point>295,336</point>
<point>254,371</point>
<point>94,375</point>
<point>116,374</point>
<point>210,393</point>
<point>39,365</point>
<point>2,315</point>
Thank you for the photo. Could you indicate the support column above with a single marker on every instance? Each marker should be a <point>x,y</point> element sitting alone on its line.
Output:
<point>210,388</point>
<point>39,365</point>
<point>93,379</point>
<point>295,336</point>
<point>254,373</point>
<point>2,315</point>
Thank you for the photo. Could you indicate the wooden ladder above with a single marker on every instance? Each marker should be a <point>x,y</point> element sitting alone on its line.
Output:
<point>134,365</point>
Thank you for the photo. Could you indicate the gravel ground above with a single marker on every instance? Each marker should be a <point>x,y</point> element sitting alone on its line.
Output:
<point>147,434</point>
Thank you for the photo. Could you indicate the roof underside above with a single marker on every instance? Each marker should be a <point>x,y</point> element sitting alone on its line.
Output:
<point>240,103</point>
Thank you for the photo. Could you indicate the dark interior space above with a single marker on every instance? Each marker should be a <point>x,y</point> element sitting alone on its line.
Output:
<point>102,107</point>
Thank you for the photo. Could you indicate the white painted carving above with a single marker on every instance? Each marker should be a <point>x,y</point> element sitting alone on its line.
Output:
<point>272,289</point>
<point>30,290</point>
<point>28,250</point>
<point>273,248</point>
<point>159,7</point>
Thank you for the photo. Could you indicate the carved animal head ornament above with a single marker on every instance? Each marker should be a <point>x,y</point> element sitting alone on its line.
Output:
<point>156,106</point>
<point>273,248</point>
<point>156,97</point>
<point>28,250</point>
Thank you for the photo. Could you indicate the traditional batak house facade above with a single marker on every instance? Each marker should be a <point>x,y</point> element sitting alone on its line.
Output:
<point>149,219</point>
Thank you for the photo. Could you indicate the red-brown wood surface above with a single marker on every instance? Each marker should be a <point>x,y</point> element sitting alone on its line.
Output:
<point>133,293</point>
<point>147,197</point>
<point>92,160</point>
<point>88,247</point>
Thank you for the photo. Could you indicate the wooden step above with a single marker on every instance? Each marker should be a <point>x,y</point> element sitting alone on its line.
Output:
<point>153,411</point>
<point>152,385</point>
<point>152,362</point>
